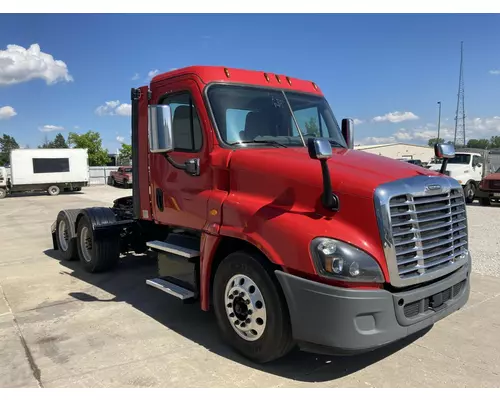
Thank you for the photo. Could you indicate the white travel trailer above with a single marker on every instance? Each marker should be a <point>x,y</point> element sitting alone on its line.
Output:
<point>50,170</point>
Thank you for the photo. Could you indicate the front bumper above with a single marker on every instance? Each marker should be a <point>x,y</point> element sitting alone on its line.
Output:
<point>347,321</point>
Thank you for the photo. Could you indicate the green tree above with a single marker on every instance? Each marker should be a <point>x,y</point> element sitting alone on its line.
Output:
<point>7,143</point>
<point>126,153</point>
<point>312,127</point>
<point>93,143</point>
<point>478,143</point>
<point>433,141</point>
<point>495,142</point>
<point>58,143</point>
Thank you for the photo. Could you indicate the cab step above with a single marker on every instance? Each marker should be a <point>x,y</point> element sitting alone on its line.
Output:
<point>171,288</point>
<point>181,250</point>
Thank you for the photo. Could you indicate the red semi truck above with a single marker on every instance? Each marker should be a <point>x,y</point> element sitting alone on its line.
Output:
<point>259,208</point>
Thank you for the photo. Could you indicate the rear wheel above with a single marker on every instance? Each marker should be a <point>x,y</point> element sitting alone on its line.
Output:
<point>54,190</point>
<point>65,242</point>
<point>97,254</point>
<point>469,192</point>
<point>3,193</point>
<point>485,201</point>
<point>251,311</point>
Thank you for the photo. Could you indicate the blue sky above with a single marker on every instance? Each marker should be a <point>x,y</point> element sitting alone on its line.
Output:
<point>395,67</point>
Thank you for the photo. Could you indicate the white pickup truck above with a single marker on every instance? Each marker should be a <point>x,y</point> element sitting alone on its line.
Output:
<point>467,168</point>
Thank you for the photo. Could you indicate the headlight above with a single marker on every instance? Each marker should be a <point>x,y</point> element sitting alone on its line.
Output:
<point>339,260</point>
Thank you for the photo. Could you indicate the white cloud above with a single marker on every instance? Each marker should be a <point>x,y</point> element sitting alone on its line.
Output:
<point>495,72</point>
<point>135,77</point>
<point>357,121</point>
<point>50,128</point>
<point>124,110</point>
<point>484,125</point>
<point>377,140</point>
<point>114,108</point>
<point>76,127</point>
<point>120,139</point>
<point>7,112</point>
<point>153,73</point>
<point>18,64</point>
<point>396,116</point>
<point>402,135</point>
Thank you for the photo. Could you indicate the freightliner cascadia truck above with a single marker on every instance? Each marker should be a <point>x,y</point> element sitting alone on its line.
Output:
<point>259,208</point>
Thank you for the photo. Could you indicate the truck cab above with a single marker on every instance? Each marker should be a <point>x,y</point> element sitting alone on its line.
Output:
<point>466,168</point>
<point>259,208</point>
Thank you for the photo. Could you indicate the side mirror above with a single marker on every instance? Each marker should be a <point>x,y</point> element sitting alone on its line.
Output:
<point>319,148</point>
<point>444,151</point>
<point>348,132</point>
<point>161,138</point>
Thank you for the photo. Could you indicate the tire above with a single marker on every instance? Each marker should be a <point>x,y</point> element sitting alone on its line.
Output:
<point>469,192</point>
<point>54,190</point>
<point>65,225</point>
<point>125,184</point>
<point>97,254</point>
<point>262,344</point>
<point>113,182</point>
<point>485,201</point>
<point>77,189</point>
<point>3,193</point>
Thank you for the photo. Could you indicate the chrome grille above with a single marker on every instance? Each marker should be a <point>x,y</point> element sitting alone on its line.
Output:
<point>429,231</point>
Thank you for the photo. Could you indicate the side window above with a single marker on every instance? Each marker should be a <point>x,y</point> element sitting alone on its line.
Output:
<point>476,160</point>
<point>185,122</point>
<point>310,122</point>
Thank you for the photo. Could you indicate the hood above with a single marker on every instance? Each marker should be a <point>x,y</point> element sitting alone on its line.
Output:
<point>493,177</point>
<point>353,172</point>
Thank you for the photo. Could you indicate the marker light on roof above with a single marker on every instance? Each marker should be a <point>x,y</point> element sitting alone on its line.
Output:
<point>266,76</point>
<point>289,81</point>
<point>315,86</point>
<point>226,71</point>
<point>278,78</point>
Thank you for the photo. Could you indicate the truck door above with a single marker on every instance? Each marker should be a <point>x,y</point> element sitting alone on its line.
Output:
<point>477,168</point>
<point>178,198</point>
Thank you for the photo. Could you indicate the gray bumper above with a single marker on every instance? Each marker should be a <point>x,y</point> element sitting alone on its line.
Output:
<point>353,321</point>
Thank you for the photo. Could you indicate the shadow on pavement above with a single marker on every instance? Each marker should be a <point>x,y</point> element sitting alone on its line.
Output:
<point>127,284</point>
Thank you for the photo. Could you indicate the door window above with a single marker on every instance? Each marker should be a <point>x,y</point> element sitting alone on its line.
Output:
<point>186,125</point>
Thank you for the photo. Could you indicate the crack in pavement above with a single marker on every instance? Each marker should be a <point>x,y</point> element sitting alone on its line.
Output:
<point>31,361</point>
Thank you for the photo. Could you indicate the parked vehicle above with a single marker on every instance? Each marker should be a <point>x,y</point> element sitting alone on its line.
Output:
<point>489,189</point>
<point>123,176</point>
<point>468,167</point>
<point>50,170</point>
<point>292,238</point>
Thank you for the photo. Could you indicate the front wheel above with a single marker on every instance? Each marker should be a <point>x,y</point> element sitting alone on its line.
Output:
<point>469,192</point>
<point>54,190</point>
<point>3,193</point>
<point>485,201</point>
<point>251,311</point>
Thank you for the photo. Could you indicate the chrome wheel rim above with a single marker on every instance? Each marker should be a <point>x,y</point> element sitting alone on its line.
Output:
<point>63,235</point>
<point>245,307</point>
<point>86,244</point>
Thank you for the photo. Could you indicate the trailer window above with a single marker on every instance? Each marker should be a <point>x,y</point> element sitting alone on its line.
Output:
<point>50,165</point>
<point>185,122</point>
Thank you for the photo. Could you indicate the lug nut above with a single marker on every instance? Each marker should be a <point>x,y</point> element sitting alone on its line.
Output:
<point>230,305</point>
<point>247,301</point>
<point>242,294</point>
<point>237,322</point>
<point>249,312</point>
<point>231,297</point>
<point>231,315</point>
<point>248,320</point>
<point>235,293</point>
<point>242,325</point>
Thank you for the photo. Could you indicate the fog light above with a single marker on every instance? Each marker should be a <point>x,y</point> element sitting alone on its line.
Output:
<point>354,269</point>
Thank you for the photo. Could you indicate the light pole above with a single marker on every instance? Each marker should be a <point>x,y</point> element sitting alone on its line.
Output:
<point>439,119</point>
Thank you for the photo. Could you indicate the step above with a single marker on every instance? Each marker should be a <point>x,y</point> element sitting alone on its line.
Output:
<point>170,288</point>
<point>182,251</point>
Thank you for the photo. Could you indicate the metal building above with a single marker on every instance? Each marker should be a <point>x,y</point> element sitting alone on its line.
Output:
<point>400,151</point>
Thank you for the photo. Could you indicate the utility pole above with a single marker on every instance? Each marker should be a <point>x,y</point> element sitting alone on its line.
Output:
<point>460,113</point>
<point>439,119</point>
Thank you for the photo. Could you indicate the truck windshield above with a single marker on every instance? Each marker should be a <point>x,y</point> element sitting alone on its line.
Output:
<point>458,159</point>
<point>262,116</point>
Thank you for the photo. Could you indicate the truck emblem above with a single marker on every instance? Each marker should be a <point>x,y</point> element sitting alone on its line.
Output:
<point>432,187</point>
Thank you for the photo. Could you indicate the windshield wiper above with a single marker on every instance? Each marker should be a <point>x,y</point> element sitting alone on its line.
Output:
<point>259,141</point>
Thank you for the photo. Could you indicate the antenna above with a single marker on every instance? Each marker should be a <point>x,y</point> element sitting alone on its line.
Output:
<point>459,140</point>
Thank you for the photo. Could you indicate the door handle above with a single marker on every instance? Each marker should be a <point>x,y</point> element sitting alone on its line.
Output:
<point>159,199</point>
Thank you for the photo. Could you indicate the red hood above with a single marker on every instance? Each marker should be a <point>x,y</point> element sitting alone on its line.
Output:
<point>493,177</point>
<point>352,172</point>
